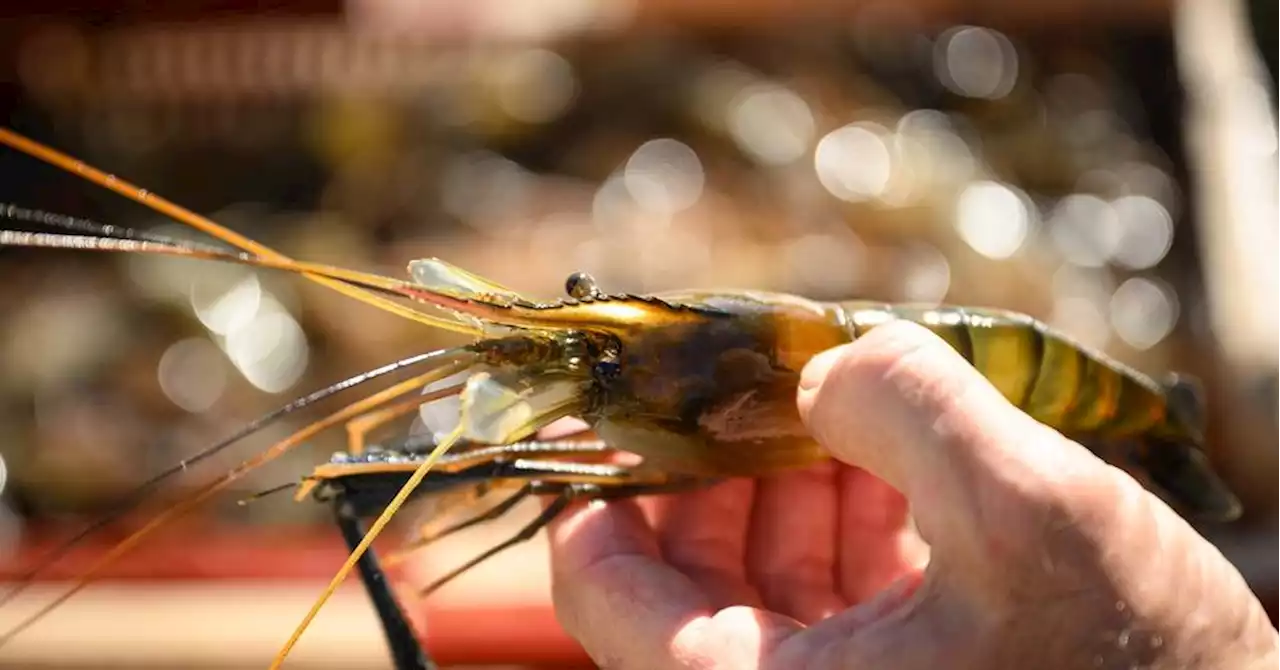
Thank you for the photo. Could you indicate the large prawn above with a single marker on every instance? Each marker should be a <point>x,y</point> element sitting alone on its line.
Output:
<point>700,385</point>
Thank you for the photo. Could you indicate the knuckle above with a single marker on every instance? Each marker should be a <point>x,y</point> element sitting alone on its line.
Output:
<point>1078,488</point>
<point>900,335</point>
<point>912,363</point>
<point>895,348</point>
<point>1061,521</point>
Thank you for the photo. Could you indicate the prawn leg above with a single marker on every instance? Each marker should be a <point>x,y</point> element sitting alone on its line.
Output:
<point>431,533</point>
<point>365,476</point>
<point>406,652</point>
<point>566,493</point>
<point>490,454</point>
<point>434,531</point>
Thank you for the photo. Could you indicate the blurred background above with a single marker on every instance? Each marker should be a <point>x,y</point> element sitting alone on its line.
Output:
<point>1108,167</point>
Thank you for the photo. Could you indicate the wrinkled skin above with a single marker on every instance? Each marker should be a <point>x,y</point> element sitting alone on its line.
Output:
<point>1039,554</point>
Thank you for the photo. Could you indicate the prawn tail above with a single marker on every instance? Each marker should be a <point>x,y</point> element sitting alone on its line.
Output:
<point>1175,460</point>
<point>1183,472</point>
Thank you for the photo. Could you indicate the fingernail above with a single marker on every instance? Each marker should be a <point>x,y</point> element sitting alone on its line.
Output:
<point>815,371</point>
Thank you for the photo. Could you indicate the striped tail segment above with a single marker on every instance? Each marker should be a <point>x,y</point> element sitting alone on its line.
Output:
<point>1083,394</point>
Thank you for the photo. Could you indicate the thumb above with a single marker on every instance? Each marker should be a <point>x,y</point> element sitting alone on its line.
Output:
<point>980,475</point>
<point>1039,549</point>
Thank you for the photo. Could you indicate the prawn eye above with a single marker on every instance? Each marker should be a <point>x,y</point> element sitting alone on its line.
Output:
<point>581,285</point>
<point>607,370</point>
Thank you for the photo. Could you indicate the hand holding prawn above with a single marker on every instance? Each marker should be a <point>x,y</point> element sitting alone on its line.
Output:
<point>1042,556</point>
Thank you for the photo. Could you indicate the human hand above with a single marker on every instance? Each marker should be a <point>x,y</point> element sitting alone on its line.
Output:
<point>1041,555</point>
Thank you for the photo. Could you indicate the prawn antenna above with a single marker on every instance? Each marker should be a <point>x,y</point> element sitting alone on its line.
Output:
<point>143,491</point>
<point>452,361</point>
<point>21,238</point>
<point>263,255</point>
<point>90,227</point>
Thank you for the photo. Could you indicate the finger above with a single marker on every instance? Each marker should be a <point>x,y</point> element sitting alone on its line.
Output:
<point>703,533</point>
<point>902,404</point>
<point>873,551</point>
<point>561,428</point>
<point>629,609</point>
<point>791,547</point>
<point>611,589</point>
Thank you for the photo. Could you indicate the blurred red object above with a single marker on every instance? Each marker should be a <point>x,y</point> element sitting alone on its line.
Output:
<point>525,633</point>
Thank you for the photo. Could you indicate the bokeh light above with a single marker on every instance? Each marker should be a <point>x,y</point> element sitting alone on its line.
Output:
<point>535,85</point>
<point>928,276</point>
<point>853,162</point>
<point>664,176</point>
<point>225,298</point>
<point>976,62</point>
<point>269,349</point>
<point>1146,231</point>
<point>772,124</point>
<point>1085,230</point>
<point>193,374</point>
<point>1143,312</point>
<point>993,218</point>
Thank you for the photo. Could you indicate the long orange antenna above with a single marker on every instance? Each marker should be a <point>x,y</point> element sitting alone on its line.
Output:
<point>186,216</point>
<point>349,278</point>
<point>461,359</point>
